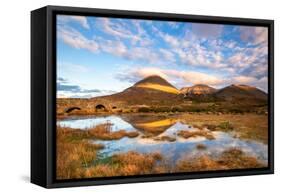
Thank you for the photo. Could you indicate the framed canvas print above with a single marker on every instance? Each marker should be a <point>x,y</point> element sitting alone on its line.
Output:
<point>126,96</point>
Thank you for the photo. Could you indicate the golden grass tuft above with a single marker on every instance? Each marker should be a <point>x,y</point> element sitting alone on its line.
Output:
<point>235,158</point>
<point>76,156</point>
<point>201,146</point>
<point>104,132</point>
<point>130,163</point>
<point>232,158</point>
<point>72,154</point>
<point>198,133</point>
<point>165,138</point>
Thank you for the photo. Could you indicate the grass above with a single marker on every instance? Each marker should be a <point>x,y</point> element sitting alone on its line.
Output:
<point>75,154</point>
<point>201,146</point>
<point>104,132</point>
<point>233,158</point>
<point>101,132</point>
<point>196,133</point>
<point>78,158</point>
<point>165,138</point>
<point>72,155</point>
<point>226,126</point>
<point>130,163</point>
<point>249,126</point>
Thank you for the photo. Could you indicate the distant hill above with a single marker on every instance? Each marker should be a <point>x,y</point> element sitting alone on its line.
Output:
<point>241,92</point>
<point>201,92</point>
<point>197,90</point>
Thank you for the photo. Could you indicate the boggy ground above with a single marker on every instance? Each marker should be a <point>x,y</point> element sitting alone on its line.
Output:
<point>77,157</point>
<point>247,126</point>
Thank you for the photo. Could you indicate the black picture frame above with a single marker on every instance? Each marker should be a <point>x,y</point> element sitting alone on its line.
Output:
<point>43,95</point>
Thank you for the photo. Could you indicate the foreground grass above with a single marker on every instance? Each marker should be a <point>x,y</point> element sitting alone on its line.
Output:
<point>72,155</point>
<point>130,163</point>
<point>230,159</point>
<point>77,158</point>
<point>75,153</point>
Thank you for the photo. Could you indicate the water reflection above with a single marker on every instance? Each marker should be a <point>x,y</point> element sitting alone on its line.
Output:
<point>152,128</point>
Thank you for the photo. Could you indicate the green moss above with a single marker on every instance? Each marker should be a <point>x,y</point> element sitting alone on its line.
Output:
<point>226,126</point>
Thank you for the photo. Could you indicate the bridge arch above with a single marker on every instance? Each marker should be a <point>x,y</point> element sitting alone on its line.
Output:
<point>100,107</point>
<point>68,110</point>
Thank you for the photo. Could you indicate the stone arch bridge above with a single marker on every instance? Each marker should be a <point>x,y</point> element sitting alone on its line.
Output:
<point>86,106</point>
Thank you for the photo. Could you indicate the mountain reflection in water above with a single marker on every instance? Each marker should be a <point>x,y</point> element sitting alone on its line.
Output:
<point>152,128</point>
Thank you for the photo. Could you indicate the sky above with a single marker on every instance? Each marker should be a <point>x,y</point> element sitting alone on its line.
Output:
<point>100,56</point>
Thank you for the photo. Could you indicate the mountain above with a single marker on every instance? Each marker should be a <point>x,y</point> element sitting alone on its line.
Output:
<point>154,93</point>
<point>157,83</point>
<point>151,90</point>
<point>241,92</point>
<point>237,93</point>
<point>197,90</point>
<point>155,90</point>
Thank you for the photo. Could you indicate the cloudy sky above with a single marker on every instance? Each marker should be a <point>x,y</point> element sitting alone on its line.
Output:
<point>99,56</point>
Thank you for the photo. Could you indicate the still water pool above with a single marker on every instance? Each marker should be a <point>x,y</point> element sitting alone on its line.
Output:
<point>179,149</point>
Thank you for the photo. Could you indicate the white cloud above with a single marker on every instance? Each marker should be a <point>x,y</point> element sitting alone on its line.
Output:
<point>116,48</point>
<point>190,50</point>
<point>82,20</point>
<point>143,54</point>
<point>171,40</point>
<point>255,35</point>
<point>250,61</point>
<point>152,71</point>
<point>174,25</point>
<point>262,83</point>
<point>207,30</point>
<point>114,28</point>
<point>167,55</point>
<point>202,78</point>
<point>197,55</point>
<point>66,89</point>
<point>244,79</point>
<point>185,78</point>
<point>189,78</point>
<point>76,39</point>
<point>124,30</point>
<point>199,47</point>
<point>252,81</point>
